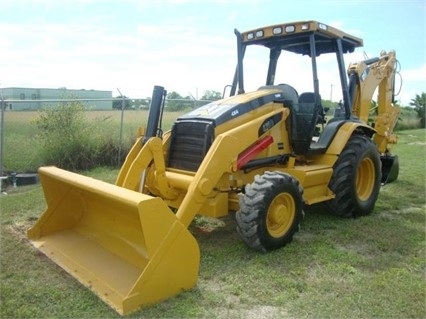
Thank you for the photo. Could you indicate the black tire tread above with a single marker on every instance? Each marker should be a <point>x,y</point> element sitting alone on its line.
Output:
<point>255,201</point>
<point>342,183</point>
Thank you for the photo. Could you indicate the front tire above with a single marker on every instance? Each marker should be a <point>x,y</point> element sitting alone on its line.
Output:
<point>270,211</point>
<point>356,178</point>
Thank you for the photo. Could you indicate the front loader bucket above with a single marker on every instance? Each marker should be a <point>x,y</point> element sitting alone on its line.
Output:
<point>127,247</point>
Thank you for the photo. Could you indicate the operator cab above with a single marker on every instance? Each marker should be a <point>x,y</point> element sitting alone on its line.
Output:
<point>306,38</point>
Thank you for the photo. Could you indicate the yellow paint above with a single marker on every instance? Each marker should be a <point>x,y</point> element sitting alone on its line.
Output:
<point>127,247</point>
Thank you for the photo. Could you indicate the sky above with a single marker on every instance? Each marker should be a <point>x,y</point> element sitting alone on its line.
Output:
<point>189,46</point>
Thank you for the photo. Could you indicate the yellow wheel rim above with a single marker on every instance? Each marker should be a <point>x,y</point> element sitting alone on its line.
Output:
<point>280,215</point>
<point>365,179</point>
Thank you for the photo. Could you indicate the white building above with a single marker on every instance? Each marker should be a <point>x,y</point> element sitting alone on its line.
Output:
<point>20,99</point>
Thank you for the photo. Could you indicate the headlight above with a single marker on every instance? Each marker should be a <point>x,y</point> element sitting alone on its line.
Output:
<point>322,26</point>
<point>277,30</point>
<point>289,28</point>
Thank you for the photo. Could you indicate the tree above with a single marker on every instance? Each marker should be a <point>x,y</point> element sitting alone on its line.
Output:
<point>176,102</point>
<point>419,103</point>
<point>117,103</point>
<point>211,95</point>
<point>141,103</point>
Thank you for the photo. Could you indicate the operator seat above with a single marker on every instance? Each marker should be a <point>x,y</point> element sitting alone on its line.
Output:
<point>305,117</point>
<point>290,96</point>
<point>307,102</point>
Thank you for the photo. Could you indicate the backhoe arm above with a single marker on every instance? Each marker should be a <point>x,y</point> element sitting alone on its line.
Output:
<point>372,74</point>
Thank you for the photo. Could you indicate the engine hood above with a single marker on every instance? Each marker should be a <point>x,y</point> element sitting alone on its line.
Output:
<point>221,111</point>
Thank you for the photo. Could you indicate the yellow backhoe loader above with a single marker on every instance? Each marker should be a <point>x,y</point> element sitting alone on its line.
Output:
<point>263,154</point>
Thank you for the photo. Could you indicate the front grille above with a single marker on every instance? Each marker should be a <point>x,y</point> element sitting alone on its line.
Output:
<point>189,144</point>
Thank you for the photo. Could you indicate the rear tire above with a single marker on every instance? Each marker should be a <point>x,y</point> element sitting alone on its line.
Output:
<point>270,211</point>
<point>356,178</point>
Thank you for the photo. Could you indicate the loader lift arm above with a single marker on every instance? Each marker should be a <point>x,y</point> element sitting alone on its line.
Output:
<point>222,157</point>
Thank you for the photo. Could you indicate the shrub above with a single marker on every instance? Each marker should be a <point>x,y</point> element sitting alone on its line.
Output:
<point>419,103</point>
<point>71,141</point>
<point>408,119</point>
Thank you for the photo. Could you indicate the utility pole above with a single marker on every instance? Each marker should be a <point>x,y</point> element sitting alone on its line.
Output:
<point>121,128</point>
<point>3,107</point>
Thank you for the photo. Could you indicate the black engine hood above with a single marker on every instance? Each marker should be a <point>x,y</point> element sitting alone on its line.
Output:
<point>221,111</point>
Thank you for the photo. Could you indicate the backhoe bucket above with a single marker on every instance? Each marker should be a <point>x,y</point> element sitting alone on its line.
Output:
<point>390,168</point>
<point>127,247</point>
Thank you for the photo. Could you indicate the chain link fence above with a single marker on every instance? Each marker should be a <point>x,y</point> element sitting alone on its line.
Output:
<point>121,119</point>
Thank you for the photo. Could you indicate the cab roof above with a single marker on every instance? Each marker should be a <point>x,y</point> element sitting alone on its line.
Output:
<point>295,37</point>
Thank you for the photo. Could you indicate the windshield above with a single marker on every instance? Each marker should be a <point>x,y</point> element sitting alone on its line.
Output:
<point>293,69</point>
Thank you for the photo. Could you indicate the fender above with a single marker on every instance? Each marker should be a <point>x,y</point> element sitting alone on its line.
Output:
<point>344,132</point>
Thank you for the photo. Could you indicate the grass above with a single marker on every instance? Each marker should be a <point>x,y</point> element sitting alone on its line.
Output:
<point>370,267</point>
<point>23,149</point>
<point>22,145</point>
